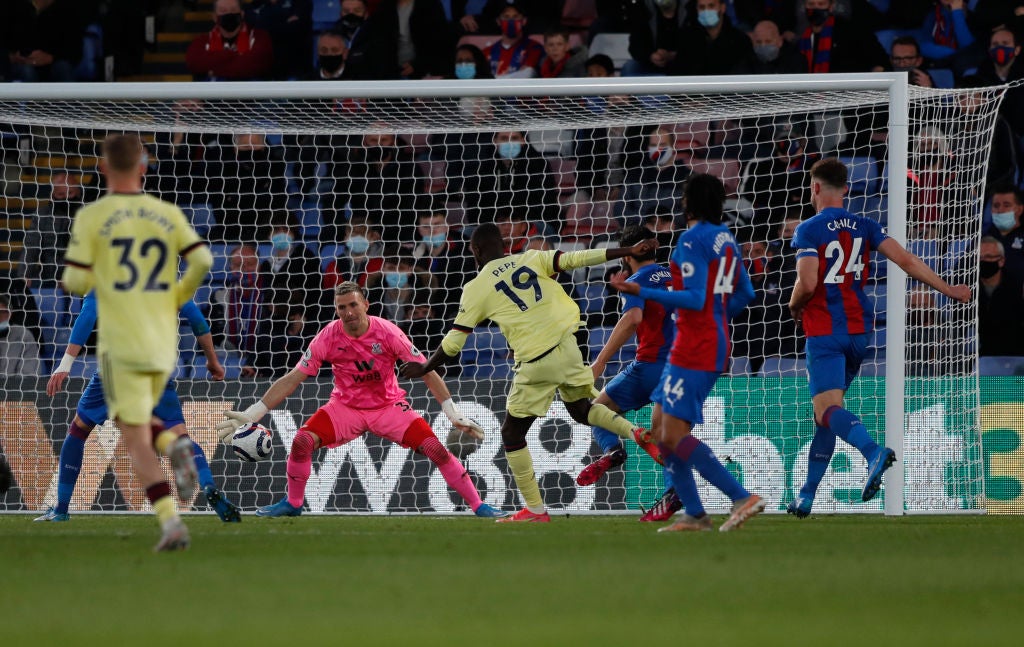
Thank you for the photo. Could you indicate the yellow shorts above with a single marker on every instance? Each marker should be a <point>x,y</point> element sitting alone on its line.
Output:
<point>131,394</point>
<point>563,369</point>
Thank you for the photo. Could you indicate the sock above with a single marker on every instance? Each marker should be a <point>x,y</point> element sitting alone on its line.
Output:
<point>521,464</point>
<point>601,416</point>
<point>159,494</point>
<point>300,463</point>
<point>71,453</point>
<point>457,477</point>
<point>608,441</point>
<point>699,456</point>
<point>162,441</point>
<point>202,466</point>
<point>820,455</point>
<point>848,427</point>
<point>679,475</point>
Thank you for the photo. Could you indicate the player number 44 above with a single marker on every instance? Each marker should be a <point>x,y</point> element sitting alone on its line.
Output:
<point>725,278</point>
<point>855,264</point>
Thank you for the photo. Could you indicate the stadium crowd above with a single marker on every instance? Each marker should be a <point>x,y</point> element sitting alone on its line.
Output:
<point>291,216</point>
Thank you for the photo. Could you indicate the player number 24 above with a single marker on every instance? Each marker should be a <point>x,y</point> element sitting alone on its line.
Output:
<point>522,279</point>
<point>855,264</point>
<point>150,247</point>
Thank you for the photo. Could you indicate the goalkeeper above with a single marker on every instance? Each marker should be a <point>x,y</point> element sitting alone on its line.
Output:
<point>362,351</point>
<point>92,411</point>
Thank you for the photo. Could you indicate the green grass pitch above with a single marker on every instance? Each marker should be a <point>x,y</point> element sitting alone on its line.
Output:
<point>845,580</point>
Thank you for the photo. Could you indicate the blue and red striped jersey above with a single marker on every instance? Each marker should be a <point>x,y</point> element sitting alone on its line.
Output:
<point>842,242</point>
<point>710,286</point>
<point>656,330</point>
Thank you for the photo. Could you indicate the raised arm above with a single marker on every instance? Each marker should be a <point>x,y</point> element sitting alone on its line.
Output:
<point>624,330</point>
<point>274,396</point>
<point>918,269</point>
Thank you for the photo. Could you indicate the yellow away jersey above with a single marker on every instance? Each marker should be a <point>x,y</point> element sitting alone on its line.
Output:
<point>518,293</point>
<point>132,243</point>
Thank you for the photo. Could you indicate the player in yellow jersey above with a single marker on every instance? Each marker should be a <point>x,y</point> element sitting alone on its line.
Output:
<point>539,320</point>
<point>126,246</point>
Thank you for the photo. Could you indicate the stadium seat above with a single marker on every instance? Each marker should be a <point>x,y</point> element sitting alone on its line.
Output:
<point>863,178</point>
<point>926,249</point>
<point>221,263</point>
<point>54,306</point>
<point>598,339</point>
<point>488,351</point>
<point>784,367</point>
<point>201,216</point>
<point>590,296</point>
<point>942,78</point>
<point>187,347</point>
<point>232,366</point>
<point>615,46</point>
<point>1000,366</point>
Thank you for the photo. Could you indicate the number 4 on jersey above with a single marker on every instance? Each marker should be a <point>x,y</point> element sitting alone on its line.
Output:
<point>854,266</point>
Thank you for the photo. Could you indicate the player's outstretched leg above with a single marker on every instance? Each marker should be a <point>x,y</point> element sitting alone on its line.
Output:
<point>599,415</point>
<point>72,452</point>
<point>609,460</point>
<point>300,462</point>
<point>823,445</point>
<point>455,475</point>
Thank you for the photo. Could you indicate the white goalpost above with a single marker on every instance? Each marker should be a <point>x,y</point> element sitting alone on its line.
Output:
<point>381,182</point>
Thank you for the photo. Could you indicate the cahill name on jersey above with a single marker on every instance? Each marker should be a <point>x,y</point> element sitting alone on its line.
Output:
<point>842,242</point>
<point>132,242</point>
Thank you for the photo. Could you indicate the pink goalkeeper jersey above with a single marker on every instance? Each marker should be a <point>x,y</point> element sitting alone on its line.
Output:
<point>364,367</point>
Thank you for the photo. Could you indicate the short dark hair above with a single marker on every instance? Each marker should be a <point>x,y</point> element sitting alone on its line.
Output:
<point>704,198</point>
<point>123,153</point>
<point>603,60</point>
<point>907,40</point>
<point>1005,187</point>
<point>345,287</point>
<point>632,235</point>
<point>557,30</point>
<point>486,233</point>
<point>831,172</point>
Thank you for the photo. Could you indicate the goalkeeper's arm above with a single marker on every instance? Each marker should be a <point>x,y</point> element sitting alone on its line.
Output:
<point>441,393</point>
<point>274,396</point>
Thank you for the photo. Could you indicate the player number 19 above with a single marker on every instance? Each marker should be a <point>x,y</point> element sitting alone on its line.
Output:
<point>522,279</point>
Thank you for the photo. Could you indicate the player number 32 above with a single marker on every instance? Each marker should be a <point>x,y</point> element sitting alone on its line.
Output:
<point>152,247</point>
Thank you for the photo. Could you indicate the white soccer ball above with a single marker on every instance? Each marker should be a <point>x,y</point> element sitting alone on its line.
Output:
<point>253,443</point>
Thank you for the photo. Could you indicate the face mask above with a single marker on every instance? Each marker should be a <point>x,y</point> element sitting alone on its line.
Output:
<point>708,18</point>
<point>1002,55</point>
<point>989,269</point>
<point>230,21</point>
<point>331,62</point>
<point>436,240</point>
<point>396,279</point>
<point>350,23</point>
<point>817,17</point>
<point>1004,221</point>
<point>358,244</point>
<point>766,53</point>
<point>509,150</point>
<point>660,156</point>
<point>465,71</point>
<point>4,325</point>
<point>281,242</point>
<point>512,28</point>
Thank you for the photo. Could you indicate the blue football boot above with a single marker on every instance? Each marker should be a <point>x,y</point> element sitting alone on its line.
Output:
<point>800,506</point>
<point>52,515</point>
<point>881,461</point>
<point>280,509</point>
<point>491,513</point>
<point>227,511</point>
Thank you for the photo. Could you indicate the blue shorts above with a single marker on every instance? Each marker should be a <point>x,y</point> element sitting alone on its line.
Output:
<point>834,360</point>
<point>631,389</point>
<point>92,406</point>
<point>681,392</point>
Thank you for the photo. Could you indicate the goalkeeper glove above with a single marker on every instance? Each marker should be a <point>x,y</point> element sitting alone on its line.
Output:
<point>234,419</point>
<point>466,425</point>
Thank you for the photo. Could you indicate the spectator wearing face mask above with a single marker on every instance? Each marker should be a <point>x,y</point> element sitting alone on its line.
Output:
<point>513,176</point>
<point>291,277</point>
<point>480,16</point>
<point>353,29</point>
<point>360,255</point>
<point>905,56</point>
<point>1004,66</point>
<point>443,253</point>
<point>1007,209</point>
<point>654,176</point>
<point>392,290</point>
<point>713,45</point>
<point>832,43</point>
<point>770,54</point>
<point>232,50</point>
<point>1000,304</point>
<point>655,37</point>
<point>470,63</point>
<point>514,55</point>
<point>332,53</point>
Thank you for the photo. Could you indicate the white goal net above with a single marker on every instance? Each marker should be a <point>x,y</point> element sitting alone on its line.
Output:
<point>300,186</point>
